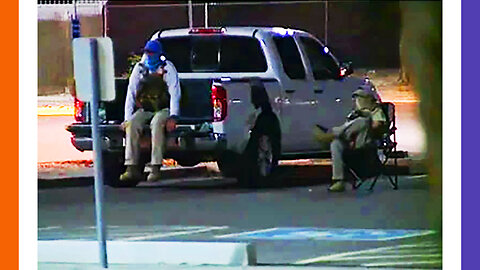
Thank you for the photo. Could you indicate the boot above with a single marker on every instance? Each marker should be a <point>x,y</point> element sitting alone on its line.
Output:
<point>155,174</point>
<point>337,186</point>
<point>131,173</point>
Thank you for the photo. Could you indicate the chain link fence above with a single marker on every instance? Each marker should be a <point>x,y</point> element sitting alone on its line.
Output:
<point>364,32</point>
<point>68,2</point>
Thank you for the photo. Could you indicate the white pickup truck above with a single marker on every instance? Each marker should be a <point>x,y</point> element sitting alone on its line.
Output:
<point>305,83</point>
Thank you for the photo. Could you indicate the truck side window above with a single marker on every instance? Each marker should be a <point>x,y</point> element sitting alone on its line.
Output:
<point>241,54</point>
<point>292,63</point>
<point>322,64</point>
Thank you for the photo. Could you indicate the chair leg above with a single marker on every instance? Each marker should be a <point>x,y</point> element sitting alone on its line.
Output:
<point>374,182</point>
<point>394,181</point>
<point>381,172</point>
<point>357,181</point>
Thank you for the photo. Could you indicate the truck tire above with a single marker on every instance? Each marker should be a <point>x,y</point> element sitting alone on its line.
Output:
<point>260,161</point>
<point>113,167</point>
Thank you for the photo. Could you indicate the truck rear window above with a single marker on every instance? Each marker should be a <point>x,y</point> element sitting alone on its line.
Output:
<point>215,53</point>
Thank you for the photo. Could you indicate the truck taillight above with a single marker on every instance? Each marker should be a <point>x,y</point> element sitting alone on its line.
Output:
<point>219,103</point>
<point>79,111</point>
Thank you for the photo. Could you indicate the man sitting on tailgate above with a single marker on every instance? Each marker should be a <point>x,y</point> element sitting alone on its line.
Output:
<point>147,90</point>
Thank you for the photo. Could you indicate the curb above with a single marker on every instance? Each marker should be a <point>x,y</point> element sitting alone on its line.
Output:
<point>308,171</point>
<point>84,176</point>
<point>149,252</point>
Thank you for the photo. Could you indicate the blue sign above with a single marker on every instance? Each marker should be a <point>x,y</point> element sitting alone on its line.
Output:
<point>331,234</point>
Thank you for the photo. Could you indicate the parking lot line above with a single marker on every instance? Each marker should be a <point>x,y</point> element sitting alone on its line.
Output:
<point>418,176</point>
<point>243,233</point>
<point>170,234</point>
<point>434,262</point>
<point>359,252</point>
<point>49,228</point>
<point>408,256</point>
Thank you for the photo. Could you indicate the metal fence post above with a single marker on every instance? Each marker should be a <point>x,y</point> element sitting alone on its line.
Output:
<point>206,15</point>
<point>326,22</point>
<point>97,150</point>
<point>190,14</point>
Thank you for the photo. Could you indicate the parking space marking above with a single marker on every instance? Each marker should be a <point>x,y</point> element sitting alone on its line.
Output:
<point>407,256</point>
<point>359,252</point>
<point>418,176</point>
<point>49,228</point>
<point>245,233</point>
<point>434,262</point>
<point>95,227</point>
<point>330,234</point>
<point>170,234</point>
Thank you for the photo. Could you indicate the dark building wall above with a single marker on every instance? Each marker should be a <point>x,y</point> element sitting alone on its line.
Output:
<point>365,32</point>
<point>130,27</point>
<point>55,64</point>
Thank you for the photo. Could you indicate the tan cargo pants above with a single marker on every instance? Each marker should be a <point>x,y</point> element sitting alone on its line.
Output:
<point>134,131</point>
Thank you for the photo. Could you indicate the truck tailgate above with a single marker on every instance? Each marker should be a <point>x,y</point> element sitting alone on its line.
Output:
<point>195,104</point>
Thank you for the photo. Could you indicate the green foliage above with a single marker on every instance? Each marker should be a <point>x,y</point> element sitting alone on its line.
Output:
<point>132,60</point>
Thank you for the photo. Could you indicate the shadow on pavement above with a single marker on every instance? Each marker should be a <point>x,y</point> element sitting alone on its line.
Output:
<point>285,177</point>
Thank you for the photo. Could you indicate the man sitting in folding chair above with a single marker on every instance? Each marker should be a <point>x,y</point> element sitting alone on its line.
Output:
<point>359,131</point>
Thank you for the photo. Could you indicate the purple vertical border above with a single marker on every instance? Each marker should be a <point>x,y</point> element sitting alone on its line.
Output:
<point>470,135</point>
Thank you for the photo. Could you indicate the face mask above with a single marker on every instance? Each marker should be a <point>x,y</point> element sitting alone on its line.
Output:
<point>152,62</point>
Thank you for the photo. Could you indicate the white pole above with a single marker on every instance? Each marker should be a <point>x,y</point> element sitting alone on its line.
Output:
<point>97,150</point>
<point>190,14</point>
<point>326,22</point>
<point>206,15</point>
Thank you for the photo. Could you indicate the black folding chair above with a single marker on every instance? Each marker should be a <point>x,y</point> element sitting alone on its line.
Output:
<point>365,163</point>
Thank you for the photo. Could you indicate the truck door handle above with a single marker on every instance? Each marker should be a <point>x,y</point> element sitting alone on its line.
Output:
<point>318,91</point>
<point>289,91</point>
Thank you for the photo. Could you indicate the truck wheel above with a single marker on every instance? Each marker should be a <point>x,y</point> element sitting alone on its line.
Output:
<point>113,167</point>
<point>260,160</point>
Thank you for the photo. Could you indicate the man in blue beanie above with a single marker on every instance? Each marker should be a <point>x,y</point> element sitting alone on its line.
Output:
<point>153,63</point>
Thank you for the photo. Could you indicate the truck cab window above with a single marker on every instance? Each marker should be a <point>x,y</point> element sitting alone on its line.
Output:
<point>215,54</point>
<point>322,64</point>
<point>288,50</point>
<point>178,50</point>
<point>205,54</point>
